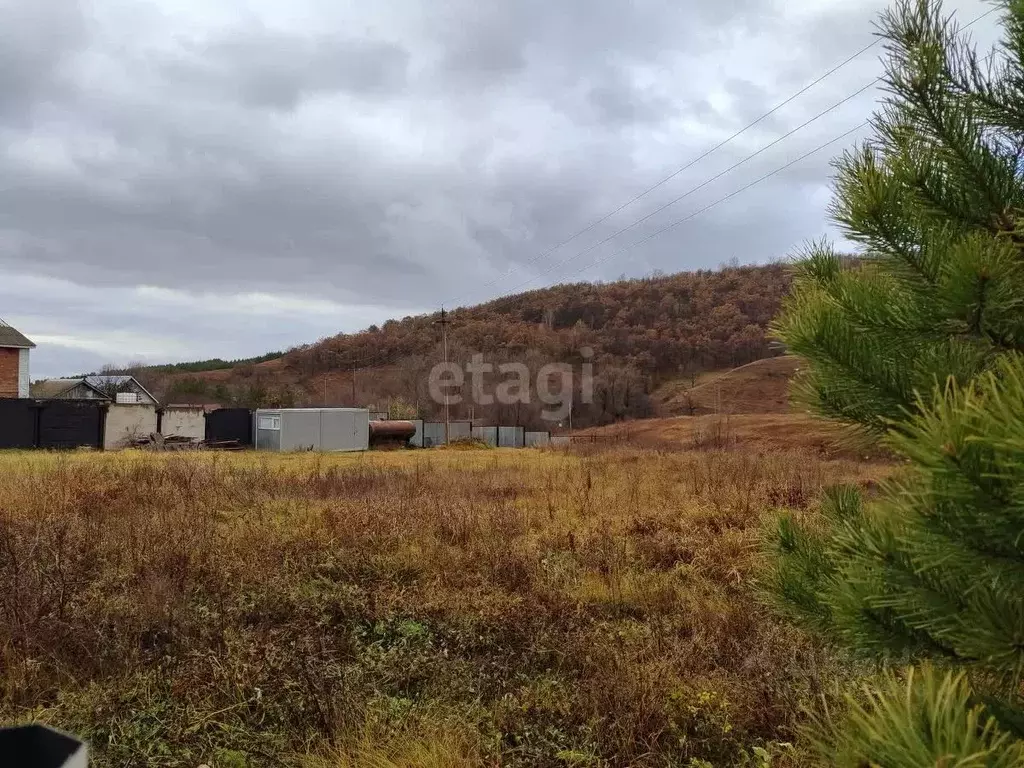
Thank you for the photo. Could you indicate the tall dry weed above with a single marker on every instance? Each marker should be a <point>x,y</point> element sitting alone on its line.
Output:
<point>247,610</point>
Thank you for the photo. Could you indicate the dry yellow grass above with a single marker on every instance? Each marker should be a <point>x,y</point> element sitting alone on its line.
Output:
<point>758,387</point>
<point>759,434</point>
<point>445,608</point>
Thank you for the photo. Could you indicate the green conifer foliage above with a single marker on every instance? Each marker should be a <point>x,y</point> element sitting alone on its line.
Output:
<point>920,342</point>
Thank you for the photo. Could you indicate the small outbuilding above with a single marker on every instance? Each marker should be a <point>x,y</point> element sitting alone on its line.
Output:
<point>312,429</point>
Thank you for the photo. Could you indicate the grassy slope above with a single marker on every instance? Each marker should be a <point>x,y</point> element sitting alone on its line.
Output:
<point>413,608</point>
<point>758,387</point>
<point>746,407</point>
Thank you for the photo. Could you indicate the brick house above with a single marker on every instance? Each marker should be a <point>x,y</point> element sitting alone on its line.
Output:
<point>14,351</point>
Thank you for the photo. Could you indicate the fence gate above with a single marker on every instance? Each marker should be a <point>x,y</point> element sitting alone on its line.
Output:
<point>71,424</point>
<point>229,424</point>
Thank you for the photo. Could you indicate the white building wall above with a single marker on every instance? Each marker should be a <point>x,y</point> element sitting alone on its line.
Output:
<point>185,422</point>
<point>24,380</point>
<point>127,421</point>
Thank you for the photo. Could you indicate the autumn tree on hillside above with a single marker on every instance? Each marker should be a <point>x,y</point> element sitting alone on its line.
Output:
<point>922,344</point>
<point>705,318</point>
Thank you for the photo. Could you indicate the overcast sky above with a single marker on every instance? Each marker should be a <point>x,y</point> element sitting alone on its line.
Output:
<point>183,179</point>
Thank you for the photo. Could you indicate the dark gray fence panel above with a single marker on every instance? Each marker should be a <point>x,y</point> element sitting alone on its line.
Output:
<point>18,419</point>
<point>71,424</point>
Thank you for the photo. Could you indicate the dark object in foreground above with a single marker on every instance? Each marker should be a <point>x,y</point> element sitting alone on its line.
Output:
<point>39,746</point>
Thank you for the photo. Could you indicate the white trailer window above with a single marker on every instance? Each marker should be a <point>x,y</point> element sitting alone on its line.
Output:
<point>272,421</point>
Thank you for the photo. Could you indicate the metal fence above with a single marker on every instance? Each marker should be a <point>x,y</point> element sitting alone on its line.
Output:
<point>27,423</point>
<point>511,437</point>
<point>486,435</point>
<point>433,432</point>
<point>536,439</point>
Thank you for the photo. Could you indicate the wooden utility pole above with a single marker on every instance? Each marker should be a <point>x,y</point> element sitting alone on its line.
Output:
<point>443,322</point>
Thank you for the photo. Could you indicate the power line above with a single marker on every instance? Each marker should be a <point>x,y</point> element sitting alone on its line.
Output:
<point>706,154</point>
<point>691,163</point>
<point>708,207</point>
<point>706,182</point>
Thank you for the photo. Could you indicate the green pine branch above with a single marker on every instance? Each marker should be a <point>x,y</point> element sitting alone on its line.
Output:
<point>921,344</point>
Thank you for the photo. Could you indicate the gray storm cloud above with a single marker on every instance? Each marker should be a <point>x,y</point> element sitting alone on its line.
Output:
<point>220,178</point>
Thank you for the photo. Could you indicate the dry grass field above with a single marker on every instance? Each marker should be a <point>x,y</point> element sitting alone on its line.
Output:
<point>413,608</point>
<point>759,387</point>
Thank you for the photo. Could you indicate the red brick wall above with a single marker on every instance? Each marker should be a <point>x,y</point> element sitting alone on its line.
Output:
<point>8,372</point>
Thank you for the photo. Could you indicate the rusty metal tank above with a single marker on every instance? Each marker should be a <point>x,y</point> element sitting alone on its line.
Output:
<point>391,432</point>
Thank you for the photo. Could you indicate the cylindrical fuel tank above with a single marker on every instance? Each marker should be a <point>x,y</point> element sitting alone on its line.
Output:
<point>391,431</point>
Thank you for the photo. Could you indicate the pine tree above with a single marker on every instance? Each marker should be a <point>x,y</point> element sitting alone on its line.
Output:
<point>919,342</point>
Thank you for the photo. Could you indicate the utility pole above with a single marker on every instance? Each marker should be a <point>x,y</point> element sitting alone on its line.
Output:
<point>443,322</point>
<point>352,369</point>
<point>325,390</point>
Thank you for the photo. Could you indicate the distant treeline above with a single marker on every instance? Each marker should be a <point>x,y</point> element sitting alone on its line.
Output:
<point>198,366</point>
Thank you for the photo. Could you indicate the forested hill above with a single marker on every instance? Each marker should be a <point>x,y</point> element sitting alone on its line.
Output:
<point>710,319</point>
<point>642,331</point>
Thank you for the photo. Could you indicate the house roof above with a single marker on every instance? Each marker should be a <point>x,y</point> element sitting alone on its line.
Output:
<point>11,337</point>
<point>117,380</point>
<point>51,388</point>
<point>109,380</point>
<point>102,385</point>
